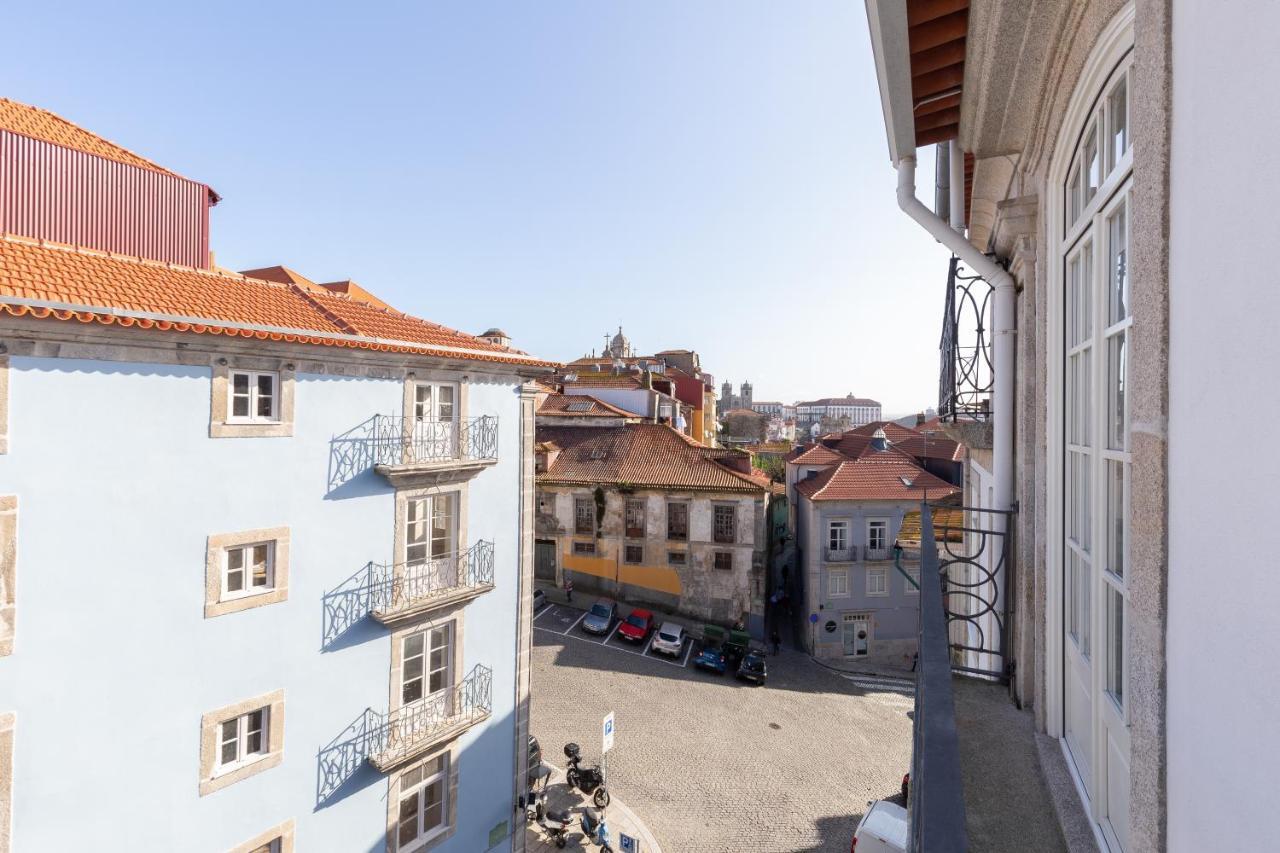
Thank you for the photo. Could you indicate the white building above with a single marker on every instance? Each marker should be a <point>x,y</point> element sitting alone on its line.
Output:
<point>1108,169</point>
<point>265,555</point>
<point>860,411</point>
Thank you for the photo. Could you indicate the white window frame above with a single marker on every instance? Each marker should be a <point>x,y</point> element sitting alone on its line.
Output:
<point>841,524</point>
<point>883,576</point>
<point>429,637</point>
<point>420,515</point>
<point>248,589</point>
<point>837,583</point>
<point>252,397</point>
<point>430,408</point>
<point>241,738</point>
<point>906,584</point>
<point>423,837</point>
<point>883,524</point>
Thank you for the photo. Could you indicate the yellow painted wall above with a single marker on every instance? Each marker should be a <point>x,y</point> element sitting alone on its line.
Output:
<point>659,578</point>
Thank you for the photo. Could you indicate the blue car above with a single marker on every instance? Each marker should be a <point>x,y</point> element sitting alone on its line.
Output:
<point>711,658</point>
<point>599,620</point>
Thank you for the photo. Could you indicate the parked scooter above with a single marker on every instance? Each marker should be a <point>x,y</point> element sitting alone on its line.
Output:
<point>594,827</point>
<point>555,823</point>
<point>585,779</point>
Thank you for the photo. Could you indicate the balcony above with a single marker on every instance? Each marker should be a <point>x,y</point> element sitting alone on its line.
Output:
<point>402,735</point>
<point>414,452</point>
<point>390,592</point>
<point>873,555</point>
<point>966,373</point>
<point>980,778</point>
<point>840,555</point>
<point>387,741</point>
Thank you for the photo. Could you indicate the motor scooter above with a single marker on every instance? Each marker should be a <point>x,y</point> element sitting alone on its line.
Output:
<point>555,823</point>
<point>588,780</point>
<point>596,829</point>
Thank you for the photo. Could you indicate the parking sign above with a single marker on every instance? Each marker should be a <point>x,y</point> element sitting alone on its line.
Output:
<point>627,844</point>
<point>607,733</point>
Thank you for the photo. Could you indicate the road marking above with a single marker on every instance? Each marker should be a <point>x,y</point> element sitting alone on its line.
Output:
<point>575,623</point>
<point>610,635</point>
<point>649,645</point>
<point>688,651</point>
<point>876,684</point>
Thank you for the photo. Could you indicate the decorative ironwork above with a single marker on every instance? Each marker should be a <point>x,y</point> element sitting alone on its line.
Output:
<point>871,555</point>
<point>391,588</point>
<point>840,555</point>
<point>385,740</point>
<point>977,575</point>
<point>965,372</point>
<point>397,440</point>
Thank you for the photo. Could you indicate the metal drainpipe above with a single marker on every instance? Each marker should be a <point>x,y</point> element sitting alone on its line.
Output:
<point>1003,318</point>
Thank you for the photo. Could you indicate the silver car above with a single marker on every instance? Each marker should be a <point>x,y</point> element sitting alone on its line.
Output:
<point>670,639</point>
<point>599,619</point>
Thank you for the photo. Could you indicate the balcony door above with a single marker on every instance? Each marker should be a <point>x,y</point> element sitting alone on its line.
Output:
<point>430,544</point>
<point>1096,319</point>
<point>435,416</point>
<point>426,681</point>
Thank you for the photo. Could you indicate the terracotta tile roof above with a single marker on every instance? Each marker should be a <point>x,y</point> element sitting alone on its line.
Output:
<point>41,279</point>
<point>48,127</point>
<point>641,454</point>
<point>579,406</point>
<point>591,379</point>
<point>819,454</point>
<point>875,477</point>
<point>948,524</point>
<point>907,439</point>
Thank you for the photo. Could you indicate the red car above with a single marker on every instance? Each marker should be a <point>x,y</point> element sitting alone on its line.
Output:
<point>636,626</point>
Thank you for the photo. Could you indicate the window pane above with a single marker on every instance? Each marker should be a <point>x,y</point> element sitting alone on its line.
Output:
<point>240,406</point>
<point>445,401</point>
<point>1115,516</point>
<point>1118,120</point>
<point>1086,607</point>
<point>433,813</point>
<point>1115,643</point>
<point>1073,594</point>
<point>411,691</point>
<point>260,555</point>
<point>1092,167</point>
<point>1117,279</point>
<point>413,668</point>
<point>409,818</point>
<point>413,645</point>
<point>422,402</point>
<point>1073,301</point>
<point>410,778</point>
<point>266,394</point>
<point>1116,431</point>
<point>240,384</point>
<point>1073,197</point>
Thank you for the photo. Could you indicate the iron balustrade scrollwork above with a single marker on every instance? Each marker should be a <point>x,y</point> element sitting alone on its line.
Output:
<point>977,576</point>
<point>396,440</point>
<point>383,739</point>
<point>871,555</point>
<point>390,587</point>
<point>840,555</point>
<point>965,370</point>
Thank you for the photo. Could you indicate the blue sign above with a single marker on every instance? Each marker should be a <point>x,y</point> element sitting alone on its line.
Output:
<point>627,844</point>
<point>813,618</point>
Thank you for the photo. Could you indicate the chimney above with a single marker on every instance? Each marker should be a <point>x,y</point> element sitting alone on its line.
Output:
<point>920,419</point>
<point>879,441</point>
<point>740,462</point>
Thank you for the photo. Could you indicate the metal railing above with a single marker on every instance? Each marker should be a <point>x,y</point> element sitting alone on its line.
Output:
<point>869,553</point>
<point>965,374</point>
<point>977,569</point>
<point>936,804</point>
<point>398,734</point>
<point>388,588</point>
<point>841,555</point>
<point>397,440</point>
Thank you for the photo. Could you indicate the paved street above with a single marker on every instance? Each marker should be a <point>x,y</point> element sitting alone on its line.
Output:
<point>713,764</point>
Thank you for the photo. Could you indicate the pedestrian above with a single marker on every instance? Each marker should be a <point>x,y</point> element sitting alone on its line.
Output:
<point>915,659</point>
<point>568,589</point>
<point>776,640</point>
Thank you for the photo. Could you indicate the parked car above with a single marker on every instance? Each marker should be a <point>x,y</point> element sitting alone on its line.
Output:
<point>711,658</point>
<point>883,829</point>
<point>539,600</point>
<point>735,648</point>
<point>636,626</point>
<point>753,668</point>
<point>670,639</point>
<point>599,620</point>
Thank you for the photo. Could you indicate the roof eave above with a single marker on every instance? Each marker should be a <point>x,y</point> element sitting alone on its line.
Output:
<point>887,22</point>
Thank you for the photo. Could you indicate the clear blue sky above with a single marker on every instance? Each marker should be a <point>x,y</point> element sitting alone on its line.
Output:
<point>710,175</point>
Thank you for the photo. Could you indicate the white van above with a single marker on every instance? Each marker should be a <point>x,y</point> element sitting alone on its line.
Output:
<point>883,829</point>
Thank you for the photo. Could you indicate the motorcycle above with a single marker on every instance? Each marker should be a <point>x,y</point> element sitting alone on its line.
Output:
<point>555,823</point>
<point>585,779</point>
<point>595,828</point>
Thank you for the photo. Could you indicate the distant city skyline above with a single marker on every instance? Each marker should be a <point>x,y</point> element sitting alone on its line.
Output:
<point>710,175</point>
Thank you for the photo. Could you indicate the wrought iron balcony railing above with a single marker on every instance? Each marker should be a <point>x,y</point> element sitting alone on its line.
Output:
<point>841,555</point>
<point>391,591</point>
<point>395,445</point>
<point>965,374</point>
<point>387,740</point>
<point>872,554</point>
<point>410,730</point>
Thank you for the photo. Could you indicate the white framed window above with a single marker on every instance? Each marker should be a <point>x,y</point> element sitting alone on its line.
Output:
<point>423,804</point>
<point>878,534</point>
<point>435,401</point>
<point>427,666</point>
<point>912,589</point>
<point>242,740</point>
<point>254,397</point>
<point>248,570</point>
<point>837,583</point>
<point>272,846</point>
<point>838,535</point>
<point>877,581</point>
<point>431,525</point>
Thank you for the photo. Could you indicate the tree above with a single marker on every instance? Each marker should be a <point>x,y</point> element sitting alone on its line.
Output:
<point>829,424</point>
<point>744,424</point>
<point>772,464</point>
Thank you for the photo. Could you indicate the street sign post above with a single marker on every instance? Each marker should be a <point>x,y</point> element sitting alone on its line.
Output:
<point>606,732</point>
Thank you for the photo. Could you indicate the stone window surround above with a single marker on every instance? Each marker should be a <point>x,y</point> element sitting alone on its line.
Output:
<point>400,536</point>
<point>451,800</point>
<point>716,505</point>
<point>284,833</point>
<point>626,554</point>
<point>209,725</point>
<point>8,571</point>
<point>688,506</point>
<point>219,427</point>
<point>413,377</point>
<point>588,548</point>
<point>590,501</point>
<point>456,615</point>
<point>7,722</point>
<point>215,550</point>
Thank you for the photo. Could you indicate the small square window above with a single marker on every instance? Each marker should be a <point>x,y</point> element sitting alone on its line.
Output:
<point>254,397</point>
<point>242,739</point>
<point>248,570</point>
<point>584,548</point>
<point>677,558</point>
<point>877,582</point>
<point>724,560</point>
<point>584,516</point>
<point>837,583</point>
<point>633,554</point>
